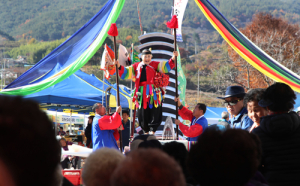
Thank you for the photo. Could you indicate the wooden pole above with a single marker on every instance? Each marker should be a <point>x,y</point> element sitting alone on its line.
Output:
<point>176,80</point>
<point>118,95</point>
<point>133,124</point>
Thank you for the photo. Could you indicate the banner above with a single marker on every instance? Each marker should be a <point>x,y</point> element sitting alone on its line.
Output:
<point>179,8</point>
<point>70,56</point>
<point>107,62</point>
<point>124,58</point>
<point>254,55</point>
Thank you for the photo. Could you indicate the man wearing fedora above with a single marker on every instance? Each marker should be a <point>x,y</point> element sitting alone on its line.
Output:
<point>233,101</point>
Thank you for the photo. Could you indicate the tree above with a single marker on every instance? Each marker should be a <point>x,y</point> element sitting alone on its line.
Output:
<point>278,38</point>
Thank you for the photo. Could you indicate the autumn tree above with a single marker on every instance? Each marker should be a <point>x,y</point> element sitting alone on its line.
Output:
<point>275,36</point>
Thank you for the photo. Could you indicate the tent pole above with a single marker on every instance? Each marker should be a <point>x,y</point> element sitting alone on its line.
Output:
<point>103,89</point>
<point>55,122</point>
<point>131,119</point>
<point>70,129</point>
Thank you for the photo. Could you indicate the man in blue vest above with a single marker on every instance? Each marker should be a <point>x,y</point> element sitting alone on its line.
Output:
<point>233,101</point>
<point>105,128</point>
<point>198,121</point>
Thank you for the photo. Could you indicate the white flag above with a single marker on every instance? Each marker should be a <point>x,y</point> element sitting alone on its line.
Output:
<point>179,8</point>
<point>124,58</point>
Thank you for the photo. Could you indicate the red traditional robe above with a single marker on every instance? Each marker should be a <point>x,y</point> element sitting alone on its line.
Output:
<point>151,95</point>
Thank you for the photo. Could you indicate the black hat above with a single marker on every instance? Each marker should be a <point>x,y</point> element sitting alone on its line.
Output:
<point>234,91</point>
<point>265,103</point>
<point>146,51</point>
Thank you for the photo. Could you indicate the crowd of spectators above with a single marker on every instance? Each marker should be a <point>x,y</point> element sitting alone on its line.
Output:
<point>264,153</point>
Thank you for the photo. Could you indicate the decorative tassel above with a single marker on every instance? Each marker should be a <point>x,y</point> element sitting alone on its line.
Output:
<point>173,23</point>
<point>113,31</point>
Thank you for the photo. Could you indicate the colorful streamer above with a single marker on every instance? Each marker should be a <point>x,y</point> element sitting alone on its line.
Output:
<point>69,56</point>
<point>247,49</point>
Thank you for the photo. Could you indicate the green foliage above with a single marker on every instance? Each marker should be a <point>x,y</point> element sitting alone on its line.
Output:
<point>34,51</point>
<point>7,36</point>
<point>128,36</point>
<point>49,20</point>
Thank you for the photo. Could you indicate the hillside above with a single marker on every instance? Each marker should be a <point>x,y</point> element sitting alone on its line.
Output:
<point>50,20</point>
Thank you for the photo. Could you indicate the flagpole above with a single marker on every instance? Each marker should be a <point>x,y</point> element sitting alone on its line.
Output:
<point>103,88</point>
<point>176,81</point>
<point>113,31</point>
<point>176,76</point>
<point>131,133</point>
<point>118,91</point>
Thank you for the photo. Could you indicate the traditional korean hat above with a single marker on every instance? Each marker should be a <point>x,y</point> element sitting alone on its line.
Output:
<point>146,51</point>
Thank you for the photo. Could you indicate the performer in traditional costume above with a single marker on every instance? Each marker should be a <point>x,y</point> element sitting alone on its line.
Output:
<point>105,128</point>
<point>147,96</point>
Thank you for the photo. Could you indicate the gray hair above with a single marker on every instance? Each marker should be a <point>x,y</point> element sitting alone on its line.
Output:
<point>225,115</point>
<point>100,165</point>
<point>95,106</point>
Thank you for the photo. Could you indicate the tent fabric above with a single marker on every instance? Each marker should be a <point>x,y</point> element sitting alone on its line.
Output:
<point>79,89</point>
<point>247,49</point>
<point>70,55</point>
<point>125,98</point>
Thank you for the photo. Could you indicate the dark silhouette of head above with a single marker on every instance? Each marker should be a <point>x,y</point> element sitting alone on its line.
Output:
<point>32,153</point>
<point>227,158</point>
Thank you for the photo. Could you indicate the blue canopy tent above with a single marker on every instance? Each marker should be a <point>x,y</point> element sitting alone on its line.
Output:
<point>125,98</point>
<point>78,92</point>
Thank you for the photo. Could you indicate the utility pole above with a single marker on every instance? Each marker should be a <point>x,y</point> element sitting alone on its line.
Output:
<point>198,91</point>
<point>195,48</point>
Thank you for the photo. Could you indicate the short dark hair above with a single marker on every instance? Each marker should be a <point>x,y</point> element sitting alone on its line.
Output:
<point>253,95</point>
<point>224,158</point>
<point>179,152</point>
<point>282,97</point>
<point>202,106</point>
<point>61,127</point>
<point>125,111</point>
<point>34,140</point>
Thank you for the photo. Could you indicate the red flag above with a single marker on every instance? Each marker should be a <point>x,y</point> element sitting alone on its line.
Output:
<point>173,23</point>
<point>113,31</point>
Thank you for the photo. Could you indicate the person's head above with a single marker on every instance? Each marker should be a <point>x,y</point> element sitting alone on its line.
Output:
<point>224,158</point>
<point>145,141</point>
<point>63,142</point>
<point>233,99</point>
<point>178,151</point>
<point>33,145</point>
<point>99,109</point>
<point>199,110</point>
<point>68,132</point>
<point>146,56</point>
<point>251,99</point>
<point>90,121</point>
<point>278,97</point>
<point>100,165</point>
<point>148,167</point>
<point>80,126</point>
<point>225,115</point>
<point>125,115</point>
<point>61,129</point>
